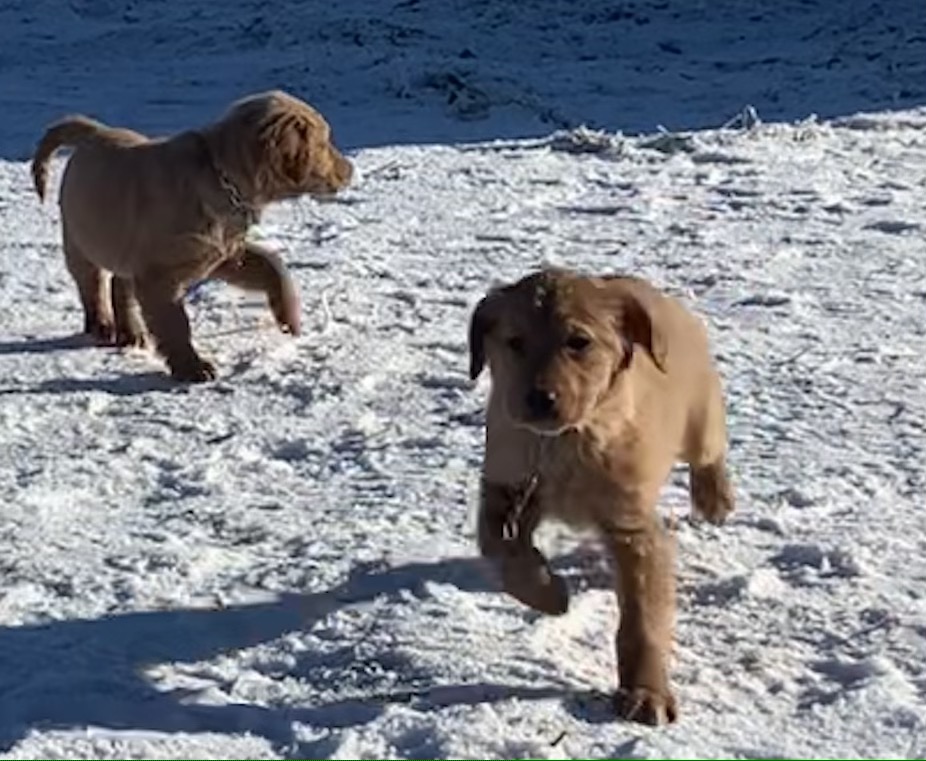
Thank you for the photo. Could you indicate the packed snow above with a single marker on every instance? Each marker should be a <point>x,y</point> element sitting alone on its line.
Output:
<point>281,563</point>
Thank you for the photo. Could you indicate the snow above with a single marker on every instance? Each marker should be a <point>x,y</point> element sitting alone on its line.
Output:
<point>281,563</point>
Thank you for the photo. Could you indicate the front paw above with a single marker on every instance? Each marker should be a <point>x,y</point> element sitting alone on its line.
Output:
<point>132,339</point>
<point>284,303</point>
<point>102,331</point>
<point>529,579</point>
<point>646,706</point>
<point>195,370</point>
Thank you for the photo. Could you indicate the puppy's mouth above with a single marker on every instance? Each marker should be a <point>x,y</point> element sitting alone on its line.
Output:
<point>323,196</point>
<point>325,193</point>
<point>544,429</point>
<point>547,428</point>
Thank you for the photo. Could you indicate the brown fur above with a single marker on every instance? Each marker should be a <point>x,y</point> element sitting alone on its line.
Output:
<point>155,216</point>
<point>599,385</point>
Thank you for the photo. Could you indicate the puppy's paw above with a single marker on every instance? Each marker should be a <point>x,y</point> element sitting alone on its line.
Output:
<point>101,331</point>
<point>528,578</point>
<point>286,310</point>
<point>646,706</point>
<point>282,293</point>
<point>196,370</point>
<point>711,492</point>
<point>132,339</point>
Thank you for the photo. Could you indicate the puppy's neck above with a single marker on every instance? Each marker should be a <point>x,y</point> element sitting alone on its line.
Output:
<point>612,421</point>
<point>237,196</point>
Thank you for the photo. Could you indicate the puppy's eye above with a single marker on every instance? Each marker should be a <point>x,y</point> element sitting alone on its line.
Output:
<point>516,344</point>
<point>578,342</point>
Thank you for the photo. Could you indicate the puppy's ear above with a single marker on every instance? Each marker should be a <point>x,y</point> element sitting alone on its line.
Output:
<point>295,152</point>
<point>479,325</point>
<point>638,320</point>
<point>285,141</point>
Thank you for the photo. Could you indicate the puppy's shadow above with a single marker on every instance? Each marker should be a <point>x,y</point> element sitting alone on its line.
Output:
<point>46,345</point>
<point>104,679</point>
<point>120,385</point>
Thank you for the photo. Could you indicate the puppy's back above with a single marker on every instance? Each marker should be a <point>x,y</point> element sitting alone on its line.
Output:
<point>76,132</point>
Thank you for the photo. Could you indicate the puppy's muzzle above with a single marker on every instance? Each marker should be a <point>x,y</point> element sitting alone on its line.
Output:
<point>541,404</point>
<point>343,171</point>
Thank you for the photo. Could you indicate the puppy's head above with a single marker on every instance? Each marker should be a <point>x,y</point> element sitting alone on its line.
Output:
<point>557,343</point>
<point>288,146</point>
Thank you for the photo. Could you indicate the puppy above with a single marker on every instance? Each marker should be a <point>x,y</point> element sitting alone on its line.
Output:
<point>159,215</point>
<point>599,385</point>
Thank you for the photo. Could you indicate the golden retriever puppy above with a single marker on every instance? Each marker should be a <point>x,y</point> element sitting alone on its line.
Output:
<point>159,215</point>
<point>599,385</point>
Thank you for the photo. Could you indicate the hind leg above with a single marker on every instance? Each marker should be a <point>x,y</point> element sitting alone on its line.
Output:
<point>130,327</point>
<point>708,480</point>
<point>711,492</point>
<point>93,286</point>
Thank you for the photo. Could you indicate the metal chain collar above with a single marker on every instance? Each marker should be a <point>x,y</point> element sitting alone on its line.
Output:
<point>511,528</point>
<point>247,211</point>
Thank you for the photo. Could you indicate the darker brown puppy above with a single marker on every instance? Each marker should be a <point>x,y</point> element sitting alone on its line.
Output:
<point>599,385</point>
<point>155,216</point>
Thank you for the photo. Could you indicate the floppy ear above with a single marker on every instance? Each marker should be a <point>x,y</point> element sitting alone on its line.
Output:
<point>285,141</point>
<point>479,325</point>
<point>638,323</point>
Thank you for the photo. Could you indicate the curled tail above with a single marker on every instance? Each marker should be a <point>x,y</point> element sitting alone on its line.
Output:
<point>73,131</point>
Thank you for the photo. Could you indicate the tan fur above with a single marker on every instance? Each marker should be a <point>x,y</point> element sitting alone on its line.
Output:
<point>599,386</point>
<point>156,216</point>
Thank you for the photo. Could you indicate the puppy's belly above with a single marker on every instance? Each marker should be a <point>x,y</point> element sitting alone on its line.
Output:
<point>178,258</point>
<point>103,248</point>
<point>575,509</point>
<point>587,503</point>
<point>115,262</point>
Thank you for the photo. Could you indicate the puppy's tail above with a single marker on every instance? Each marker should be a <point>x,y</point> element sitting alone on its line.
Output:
<point>73,131</point>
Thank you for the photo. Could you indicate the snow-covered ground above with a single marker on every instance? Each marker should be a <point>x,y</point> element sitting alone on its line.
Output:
<point>281,563</point>
<point>433,71</point>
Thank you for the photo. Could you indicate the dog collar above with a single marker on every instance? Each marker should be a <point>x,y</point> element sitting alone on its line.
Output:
<point>524,499</point>
<point>511,528</point>
<point>249,213</point>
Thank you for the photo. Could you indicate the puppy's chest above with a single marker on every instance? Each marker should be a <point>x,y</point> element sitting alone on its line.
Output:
<point>229,234</point>
<point>572,487</point>
<point>227,240</point>
<point>568,481</point>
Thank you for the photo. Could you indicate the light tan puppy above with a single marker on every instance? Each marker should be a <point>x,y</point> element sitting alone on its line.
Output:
<point>160,215</point>
<point>599,385</point>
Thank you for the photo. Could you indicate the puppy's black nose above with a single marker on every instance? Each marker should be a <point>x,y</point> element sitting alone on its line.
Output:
<point>541,403</point>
